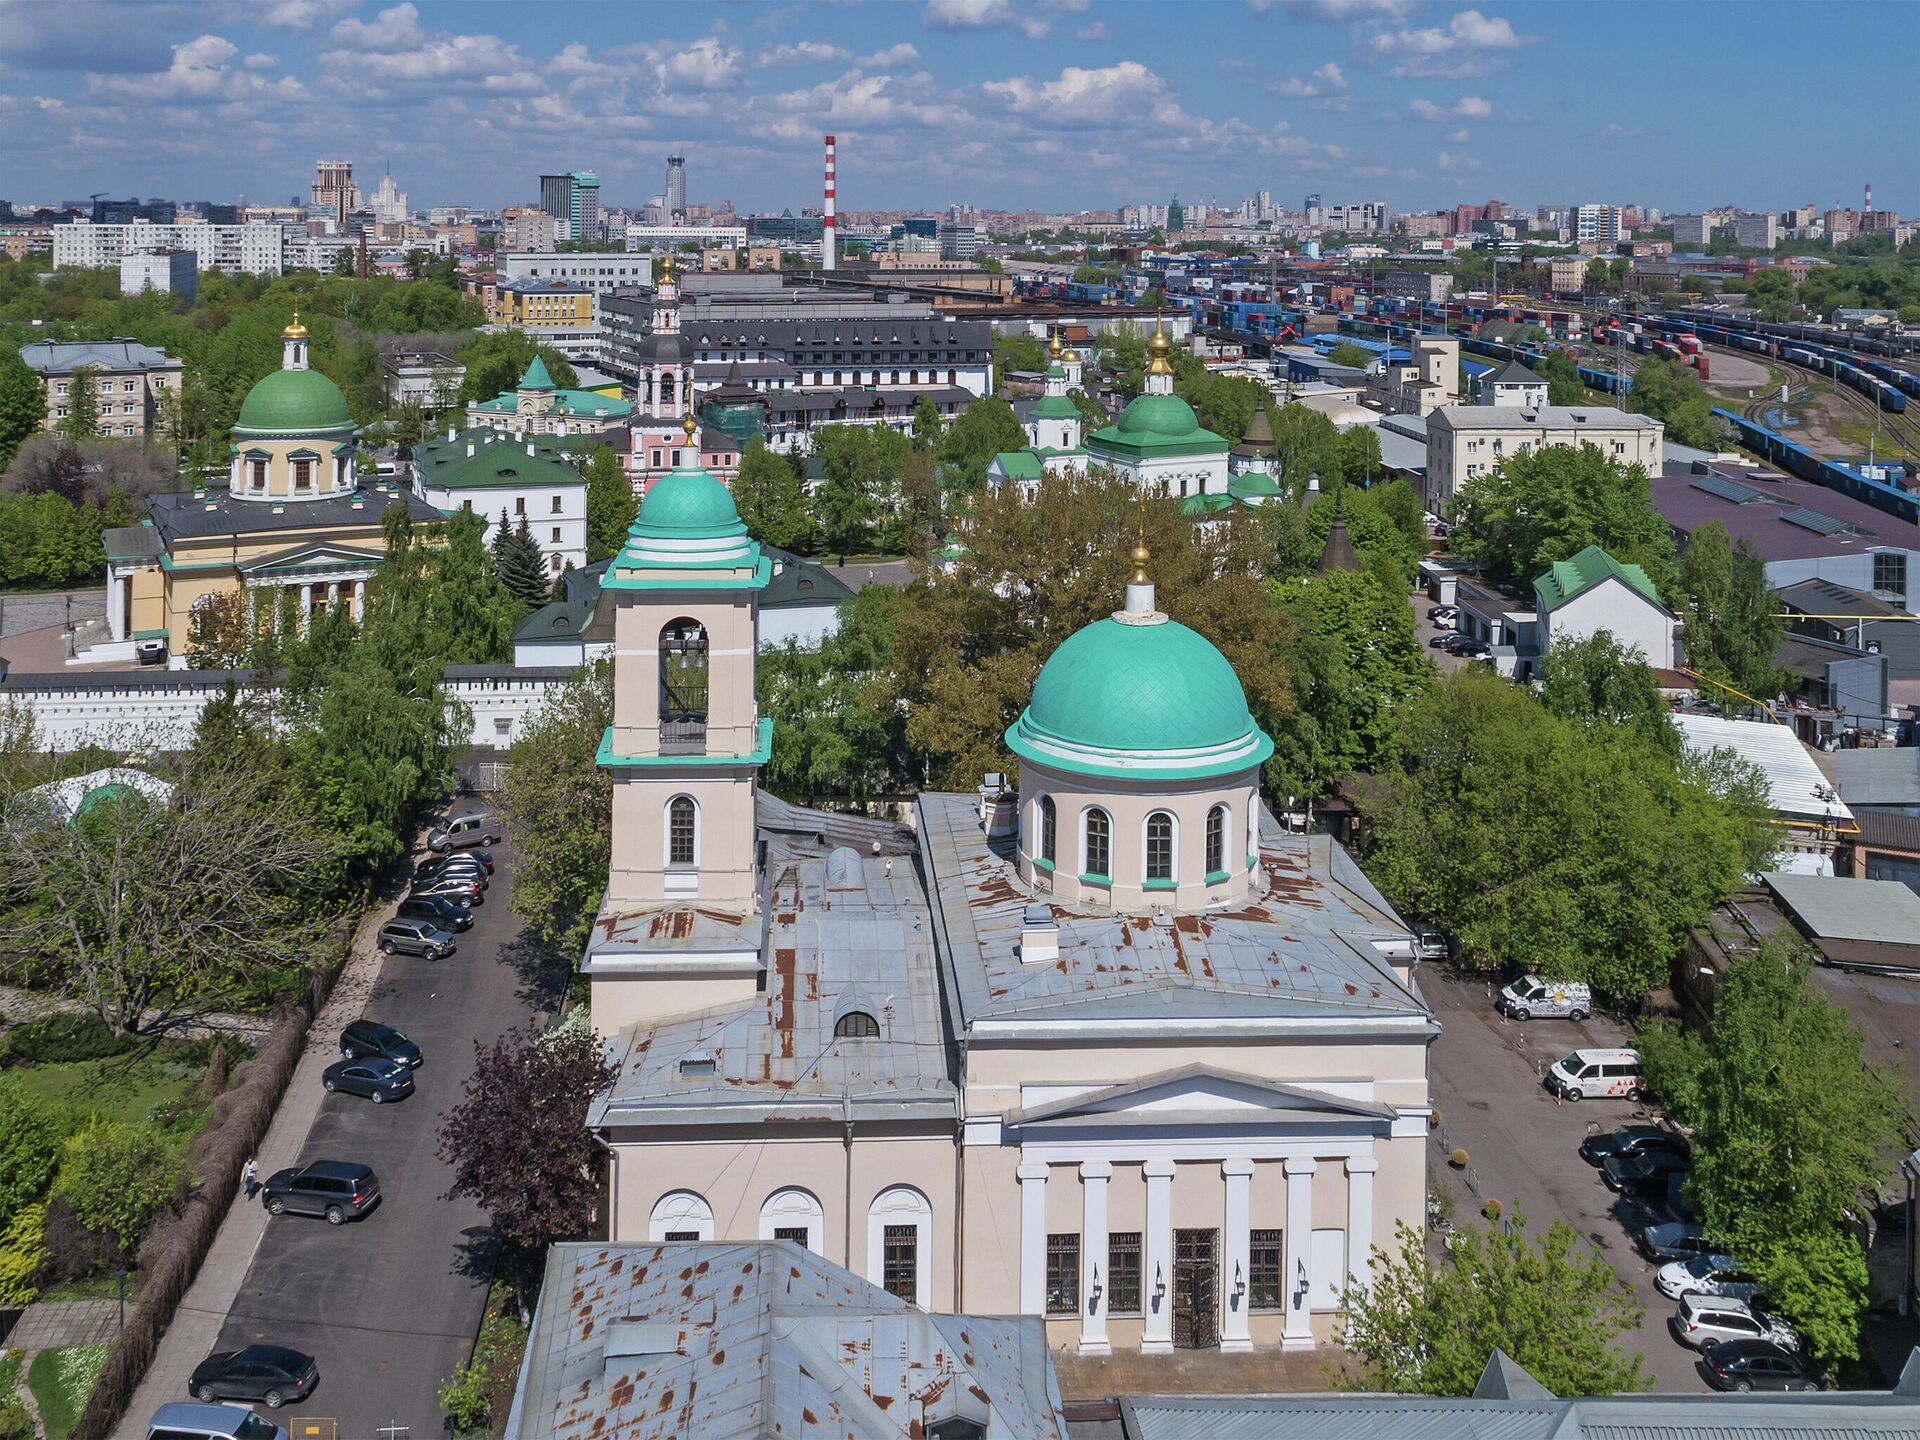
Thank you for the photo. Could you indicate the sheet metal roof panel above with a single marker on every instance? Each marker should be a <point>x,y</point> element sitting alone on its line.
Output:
<point>1883,776</point>
<point>1795,784</point>
<point>1832,908</point>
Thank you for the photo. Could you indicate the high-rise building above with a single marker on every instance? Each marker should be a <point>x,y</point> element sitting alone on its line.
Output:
<point>125,212</point>
<point>389,203</point>
<point>573,200</point>
<point>676,187</point>
<point>556,198</point>
<point>1176,215</point>
<point>1605,224</point>
<point>334,187</point>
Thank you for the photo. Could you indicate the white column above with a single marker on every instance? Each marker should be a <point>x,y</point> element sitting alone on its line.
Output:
<point>1094,1279</point>
<point>1298,1334</point>
<point>1156,1277</point>
<point>1360,1172</point>
<point>359,598</point>
<point>116,605</point>
<point>1235,1261</point>
<point>306,604</point>
<point>333,596</point>
<point>1033,1239</point>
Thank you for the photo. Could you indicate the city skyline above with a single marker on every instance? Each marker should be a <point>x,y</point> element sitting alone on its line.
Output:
<point>1058,105</point>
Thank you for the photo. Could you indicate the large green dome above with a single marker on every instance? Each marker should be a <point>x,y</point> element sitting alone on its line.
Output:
<point>1147,700</point>
<point>1159,415</point>
<point>687,504</point>
<point>294,402</point>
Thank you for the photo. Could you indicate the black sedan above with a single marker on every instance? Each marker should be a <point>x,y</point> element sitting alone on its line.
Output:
<point>444,913</point>
<point>378,1080</point>
<point>1646,1174</point>
<point>369,1038</point>
<point>1443,642</point>
<point>1631,1140</point>
<point>269,1373</point>
<point>1755,1365</point>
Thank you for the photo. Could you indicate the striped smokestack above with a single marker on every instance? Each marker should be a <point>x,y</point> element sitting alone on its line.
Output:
<point>828,240</point>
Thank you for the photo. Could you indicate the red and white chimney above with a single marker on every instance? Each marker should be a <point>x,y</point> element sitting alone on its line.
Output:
<point>1869,204</point>
<point>828,240</point>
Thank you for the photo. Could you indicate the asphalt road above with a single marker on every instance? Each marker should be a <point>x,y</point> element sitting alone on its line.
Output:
<point>389,1304</point>
<point>1523,1146</point>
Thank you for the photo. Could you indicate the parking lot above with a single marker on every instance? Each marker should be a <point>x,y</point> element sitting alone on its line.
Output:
<point>388,1304</point>
<point>1426,629</point>
<point>1522,1145</point>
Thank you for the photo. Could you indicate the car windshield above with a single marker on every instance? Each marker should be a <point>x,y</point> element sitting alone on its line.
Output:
<point>1574,1065</point>
<point>254,1428</point>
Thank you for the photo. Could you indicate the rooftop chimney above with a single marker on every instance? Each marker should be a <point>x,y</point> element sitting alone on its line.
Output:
<point>1039,935</point>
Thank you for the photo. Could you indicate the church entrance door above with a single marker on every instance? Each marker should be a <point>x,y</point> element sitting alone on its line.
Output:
<point>1196,1302</point>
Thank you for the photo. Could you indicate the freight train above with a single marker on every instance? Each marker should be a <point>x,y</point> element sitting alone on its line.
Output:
<point>1817,334</point>
<point>1796,460</point>
<point>1886,385</point>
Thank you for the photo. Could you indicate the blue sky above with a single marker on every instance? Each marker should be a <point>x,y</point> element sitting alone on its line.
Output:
<point>1045,104</point>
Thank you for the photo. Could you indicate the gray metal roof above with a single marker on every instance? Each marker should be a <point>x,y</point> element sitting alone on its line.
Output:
<point>1302,948</point>
<point>849,929</point>
<point>1543,417</point>
<point>1831,908</point>
<point>1884,776</point>
<point>62,357</point>
<point>188,515</point>
<point>704,1341</point>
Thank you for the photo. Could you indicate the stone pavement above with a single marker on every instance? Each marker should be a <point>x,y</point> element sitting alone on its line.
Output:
<point>196,1324</point>
<point>50,1324</point>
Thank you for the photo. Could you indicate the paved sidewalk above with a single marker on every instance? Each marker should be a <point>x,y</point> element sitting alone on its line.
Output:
<point>51,1324</point>
<point>197,1323</point>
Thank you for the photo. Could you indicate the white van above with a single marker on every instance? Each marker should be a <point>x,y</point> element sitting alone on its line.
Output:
<point>1530,996</point>
<point>1602,1074</point>
<point>184,1420</point>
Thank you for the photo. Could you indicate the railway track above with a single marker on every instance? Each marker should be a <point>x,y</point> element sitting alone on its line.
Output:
<point>1900,428</point>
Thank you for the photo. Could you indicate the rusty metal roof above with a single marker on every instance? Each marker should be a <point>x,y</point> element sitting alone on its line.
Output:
<point>706,1341</point>
<point>847,929</point>
<point>1303,948</point>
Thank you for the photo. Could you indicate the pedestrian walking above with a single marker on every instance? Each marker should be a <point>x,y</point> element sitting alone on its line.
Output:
<point>252,1177</point>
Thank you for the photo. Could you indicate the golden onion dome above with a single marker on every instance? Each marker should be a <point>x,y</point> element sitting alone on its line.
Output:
<point>295,331</point>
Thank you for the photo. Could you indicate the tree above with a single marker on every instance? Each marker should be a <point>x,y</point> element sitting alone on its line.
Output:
<point>983,430</point>
<point>29,1149</point>
<point>496,362</point>
<point>1359,450</point>
<point>1351,355</point>
<point>1793,1128</point>
<point>1584,853</point>
<point>518,1143</point>
<point>834,733</point>
<point>82,421</point>
<point>1772,294</point>
<point>913,522</point>
<point>1092,416</point>
<point>1671,393</point>
<point>611,504</point>
<point>147,908</point>
<point>23,404</point>
<point>1018,352</point>
<point>1597,682</point>
<point>1734,628</point>
<point>1428,1327</point>
<point>1306,443</point>
<point>1564,385</point>
<point>560,805</point>
<point>771,499</point>
<point>117,1174</point>
<point>927,425</point>
<point>851,483</point>
<point>1535,509</point>
<point>520,565</point>
<point>1597,277</point>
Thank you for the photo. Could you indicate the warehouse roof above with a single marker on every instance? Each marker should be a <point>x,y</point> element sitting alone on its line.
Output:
<point>1885,776</point>
<point>1779,517</point>
<point>1795,785</point>
<point>1831,908</point>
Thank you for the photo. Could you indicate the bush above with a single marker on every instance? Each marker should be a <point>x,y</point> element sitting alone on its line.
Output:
<point>29,1150</point>
<point>117,1176</point>
<point>21,1245</point>
<point>62,1039</point>
<point>70,1250</point>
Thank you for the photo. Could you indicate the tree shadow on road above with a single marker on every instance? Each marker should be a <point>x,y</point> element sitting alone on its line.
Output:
<point>478,1254</point>
<point>542,971</point>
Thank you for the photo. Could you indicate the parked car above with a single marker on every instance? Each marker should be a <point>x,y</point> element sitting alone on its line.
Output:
<point>1705,1275</point>
<point>1442,614</point>
<point>1530,996</point>
<point>455,865</point>
<point>1631,1140</point>
<point>271,1373</point>
<point>1429,942</point>
<point>463,830</point>
<point>1471,650</point>
<point>335,1189</point>
<point>1441,642</point>
<point>482,858</point>
<point>1673,1240</point>
<point>1646,1174</point>
<point>1703,1320</point>
<point>370,1037</point>
<point>416,937</point>
<point>455,889</point>
<point>1756,1365</point>
<point>185,1420</point>
<point>436,911</point>
<point>1606,1074</point>
<point>378,1080</point>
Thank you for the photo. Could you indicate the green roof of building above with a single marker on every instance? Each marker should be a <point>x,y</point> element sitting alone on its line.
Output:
<point>1198,506</point>
<point>1053,407</point>
<point>536,377</point>
<point>575,404</point>
<point>290,403</point>
<point>1253,485</point>
<point>1154,700</point>
<point>1568,578</point>
<point>1020,464</point>
<point>1157,425</point>
<point>1056,372</point>
<point>499,461</point>
<point>687,504</point>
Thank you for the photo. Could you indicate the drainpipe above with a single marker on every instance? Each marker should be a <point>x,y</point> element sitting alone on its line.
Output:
<point>846,1224</point>
<point>960,1208</point>
<point>613,1180</point>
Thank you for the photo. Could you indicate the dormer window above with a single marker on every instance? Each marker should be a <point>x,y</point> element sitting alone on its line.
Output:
<point>856,1025</point>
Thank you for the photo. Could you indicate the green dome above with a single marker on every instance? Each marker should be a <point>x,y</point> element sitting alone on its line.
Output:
<point>1159,415</point>
<point>1152,700</point>
<point>294,402</point>
<point>687,504</point>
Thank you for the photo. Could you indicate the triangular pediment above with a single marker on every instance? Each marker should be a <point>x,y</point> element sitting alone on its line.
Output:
<point>308,556</point>
<point>1202,1090</point>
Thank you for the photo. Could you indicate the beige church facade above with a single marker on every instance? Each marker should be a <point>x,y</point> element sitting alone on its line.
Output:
<point>1101,1044</point>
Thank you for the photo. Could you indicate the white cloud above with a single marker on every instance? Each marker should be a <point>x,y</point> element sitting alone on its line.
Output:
<point>1450,161</point>
<point>302,14</point>
<point>200,73</point>
<point>476,62</point>
<point>390,30</point>
<point>1457,137</point>
<point>261,62</point>
<point>987,14</point>
<point>1085,97</point>
<point>702,67</point>
<point>1339,11</point>
<point>1467,107</point>
<point>1467,45</point>
<point>1095,31</point>
<point>1326,86</point>
<point>815,52</point>
<point>901,54</point>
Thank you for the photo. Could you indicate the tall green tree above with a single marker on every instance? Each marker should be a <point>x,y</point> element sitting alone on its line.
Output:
<point>1381,662</point>
<point>1596,682</point>
<point>1793,1127</point>
<point>23,404</point>
<point>1564,386</point>
<point>496,362</point>
<point>1306,443</point>
<point>834,734</point>
<point>984,429</point>
<point>1671,393</point>
<point>1531,511</point>
<point>1351,355</point>
<point>611,504</point>
<point>1734,627</point>
<point>82,420</point>
<point>772,500</point>
<point>1428,1327</point>
<point>853,480</point>
<point>521,566</point>
<point>560,803</point>
<point>927,425</point>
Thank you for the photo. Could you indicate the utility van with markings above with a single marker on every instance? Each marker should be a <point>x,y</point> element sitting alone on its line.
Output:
<point>1530,996</point>
<point>1597,1075</point>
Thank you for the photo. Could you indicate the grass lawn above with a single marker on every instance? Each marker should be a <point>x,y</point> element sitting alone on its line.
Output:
<point>1860,436</point>
<point>61,1380</point>
<point>119,1087</point>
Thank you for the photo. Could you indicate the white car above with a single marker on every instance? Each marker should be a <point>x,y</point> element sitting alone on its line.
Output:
<point>1718,1275</point>
<point>1703,1319</point>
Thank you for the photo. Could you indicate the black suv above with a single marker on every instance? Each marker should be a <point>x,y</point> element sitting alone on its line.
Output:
<point>271,1373</point>
<point>1632,1140</point>
<point>369,1037</point>
<point>434,910</point>
<point>332,1188</point>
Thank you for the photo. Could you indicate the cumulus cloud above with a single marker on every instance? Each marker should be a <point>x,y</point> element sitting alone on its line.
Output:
<point>702,67</point>
<point>200,74</point>
<point>1457,137</point>
<point>988,14</point>
<point>1325,86</point>
<point>390,30</point>
<point>303,14</point>
<point>815,52</point>
<point>1460,48</point>
<point>1097,30</point>
<point>1338,11</point>
<point>1082,96</point>
<point>1467,107</point>
<point>1453,162</point>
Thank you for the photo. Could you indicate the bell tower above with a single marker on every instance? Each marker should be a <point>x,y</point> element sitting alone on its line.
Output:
<point>1159,376</point>
<point>687,739</point>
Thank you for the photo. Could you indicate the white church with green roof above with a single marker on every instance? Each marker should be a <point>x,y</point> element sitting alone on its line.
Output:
<point>1159,445</point>
<point>1053,428</point>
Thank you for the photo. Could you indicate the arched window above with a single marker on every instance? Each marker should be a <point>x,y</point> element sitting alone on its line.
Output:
<point>793,1214</point>
<point>1047,815</point>
<point>683,687</point>
<point>1160,846</point>
<point>857,1025</point>
<point>900,1244</point>
<point>1216,839</point>
<point>682,831</point>
<point>1097,848</point>
<point>680,1215</point>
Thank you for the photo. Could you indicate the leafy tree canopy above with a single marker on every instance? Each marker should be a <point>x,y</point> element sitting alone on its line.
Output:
<point>1734,628</point>
<point>1670,392</point>
<point>496,362</point>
